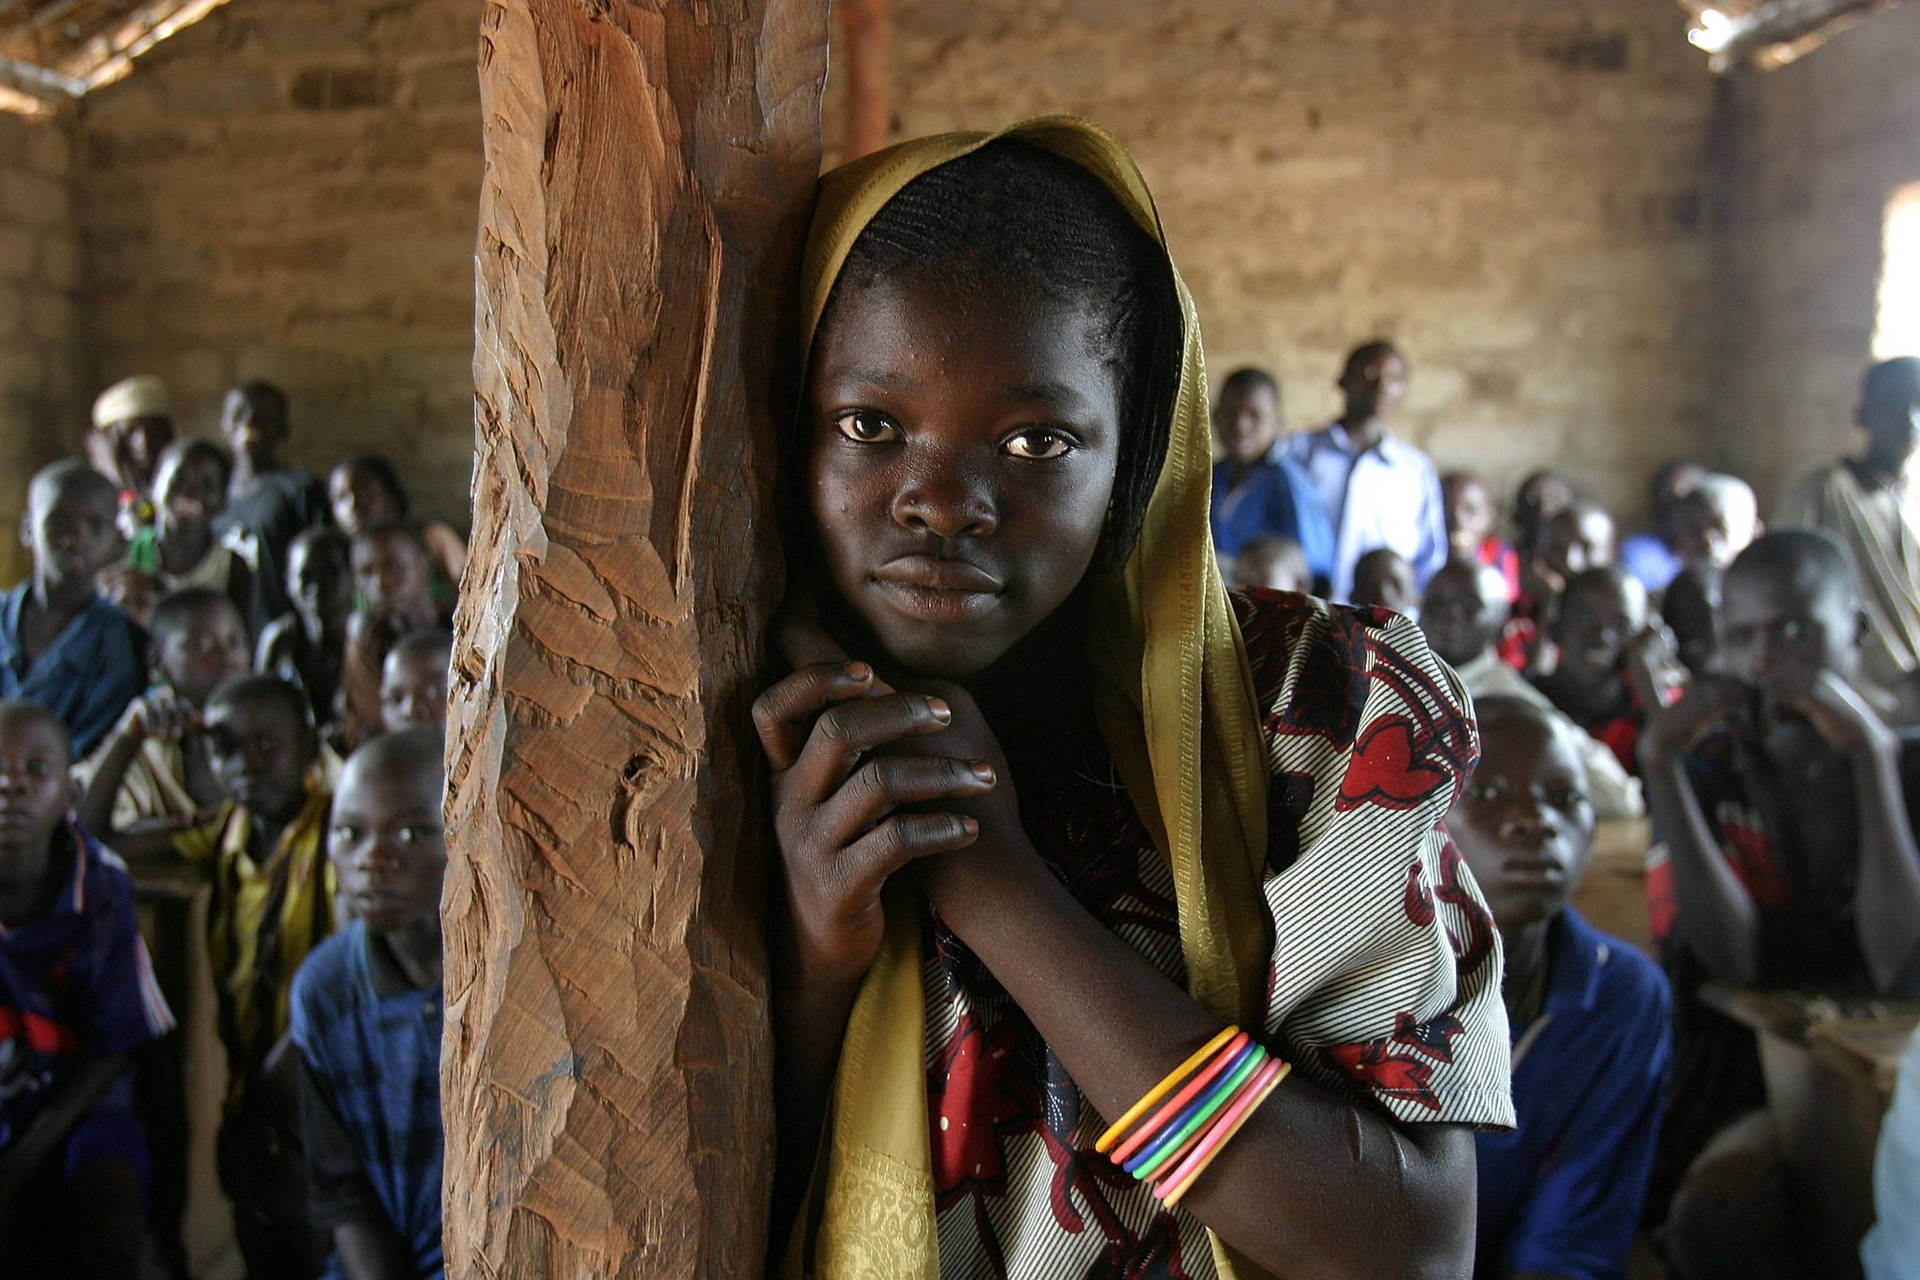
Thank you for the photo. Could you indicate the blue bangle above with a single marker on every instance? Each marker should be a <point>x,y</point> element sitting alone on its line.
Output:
<point>1177,1129</point>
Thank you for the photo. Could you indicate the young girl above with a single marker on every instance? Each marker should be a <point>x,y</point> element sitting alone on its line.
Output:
<point>1053,809</point>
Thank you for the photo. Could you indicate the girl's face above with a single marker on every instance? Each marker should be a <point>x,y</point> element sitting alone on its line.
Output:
<point>961,455</point>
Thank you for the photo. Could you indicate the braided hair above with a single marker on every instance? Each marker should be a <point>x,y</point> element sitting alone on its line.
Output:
<point>1013,217</point>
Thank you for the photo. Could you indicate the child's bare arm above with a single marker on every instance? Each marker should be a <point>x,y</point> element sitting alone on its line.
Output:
<point>1722,924</point>
<point>371,1250</point>
<point>159,714</point>
<point>71,1099</point>
<point>1887,894</point>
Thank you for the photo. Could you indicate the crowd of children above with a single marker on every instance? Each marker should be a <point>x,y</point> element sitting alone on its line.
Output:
<point>224,667</point>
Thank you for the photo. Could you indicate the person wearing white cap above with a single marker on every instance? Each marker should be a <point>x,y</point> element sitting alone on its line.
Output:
<point>132,423</point>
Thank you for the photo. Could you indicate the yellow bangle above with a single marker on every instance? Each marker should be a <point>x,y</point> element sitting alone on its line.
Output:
<point>1161,1090</point>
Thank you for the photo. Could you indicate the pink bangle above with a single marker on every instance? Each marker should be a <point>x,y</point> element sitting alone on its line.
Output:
<point>1175,1184</point>
<point>1173,1105</point>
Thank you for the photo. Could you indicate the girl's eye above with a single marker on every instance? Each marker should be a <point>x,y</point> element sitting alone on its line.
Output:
<point>414,835</point>
<point>1485,792</point>
<point>347,835</point>
<point>1039,444</point>
<point>865,427</point>
<point>1567,798</point>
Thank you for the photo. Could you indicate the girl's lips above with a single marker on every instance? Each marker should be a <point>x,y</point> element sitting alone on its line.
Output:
<point>930,604</point>
<point>937,575</point>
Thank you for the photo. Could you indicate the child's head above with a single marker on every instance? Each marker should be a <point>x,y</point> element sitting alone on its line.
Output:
<point>135,415</point>
<point>190,485</point>
<point>1464,609</point>
<point>413,682</point>
<point>1577,538</point>
<point>1523,822</point>
<point>1275,562</point>
<point>364,491</point>
<point>988,399</point>
<point>1889,412</point>
<point>199,642</point>
<point>1671,481</point>
<point>253,419</point>
<point>1789,610</point>
<point>1540,497</point>
<point>1691,607</point>
<point>1246,417</point>
<point>1716,520</point>
<point>133,591</point>
<point>1382,577</point>
<point>35,790</point>
<point>1600,611</point>
<point>69,522</point>
<point>390,569</point>
<point>385,835</point>
<point>320,577</point>
<point>1373,380</point>
<point>1471,517</point>
<point>262,742</point>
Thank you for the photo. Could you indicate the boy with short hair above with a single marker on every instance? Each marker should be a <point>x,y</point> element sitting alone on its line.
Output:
<point>61,644</point>
<point>392,574</point>
<point>1718,518</point>
<point>1258,491</point>
<point>1383,579</point>
<point>1464,614</point>
<point>77,995</point>
<point>1561,1193</point>
<point>1273,562</point>
<point>308,644</point>
<point>264,498</point>
<point>181,549</point>
<point>1603,680</point>
<point>413,682</point>
<point>272,902</point>
<point>367,1013</point>
<point>157,750</point>
<point>1473,524</point>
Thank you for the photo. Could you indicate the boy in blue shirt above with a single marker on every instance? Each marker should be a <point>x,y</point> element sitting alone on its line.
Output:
<point>1560,1194</point>
<point>77,995</point>
<point>366,1018</point>
<point>1257,490</point>
<point>61,644</point>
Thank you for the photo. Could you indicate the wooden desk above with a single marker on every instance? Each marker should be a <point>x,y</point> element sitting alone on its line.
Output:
<point>1830,1067</point>
<point>1612,895</point>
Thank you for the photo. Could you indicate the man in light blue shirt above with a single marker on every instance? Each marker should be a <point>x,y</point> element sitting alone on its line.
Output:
<point>1378,491</point>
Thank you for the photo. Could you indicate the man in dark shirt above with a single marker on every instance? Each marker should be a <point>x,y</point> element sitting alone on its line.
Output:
<point>271,501</point>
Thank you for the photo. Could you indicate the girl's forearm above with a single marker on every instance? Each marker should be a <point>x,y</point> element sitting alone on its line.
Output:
<point>1722,926</point>
<point>1887,896</point>
<point>1293,1183</point>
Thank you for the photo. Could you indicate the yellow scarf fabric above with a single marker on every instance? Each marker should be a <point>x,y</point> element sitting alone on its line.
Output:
<point>1177,709</point>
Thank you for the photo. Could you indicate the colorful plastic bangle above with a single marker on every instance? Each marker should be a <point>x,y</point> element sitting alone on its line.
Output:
<point>1162,1089</point>
<point>1176,1183</point>
<point>1145,1165</point>
<point>1173,1107</point>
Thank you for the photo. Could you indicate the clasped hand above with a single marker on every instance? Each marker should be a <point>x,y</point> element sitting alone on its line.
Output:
<point>868,779</point>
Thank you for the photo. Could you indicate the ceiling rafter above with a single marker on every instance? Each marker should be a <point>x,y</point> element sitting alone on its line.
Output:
<point>53,50</point>
<point>1769,33</point>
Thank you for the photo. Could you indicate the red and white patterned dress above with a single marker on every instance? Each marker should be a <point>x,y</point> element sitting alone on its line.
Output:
<point>1384,983</point>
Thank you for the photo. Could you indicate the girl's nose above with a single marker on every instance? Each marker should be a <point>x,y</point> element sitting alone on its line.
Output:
<point>947,503</point>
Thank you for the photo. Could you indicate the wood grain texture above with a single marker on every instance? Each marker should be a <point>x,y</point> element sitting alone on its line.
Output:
<point>607,1061</point>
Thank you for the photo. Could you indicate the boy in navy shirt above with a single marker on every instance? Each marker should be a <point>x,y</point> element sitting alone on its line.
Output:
<point>1560,1194</point>
<point>366,1018</point>
<point>77,995</point>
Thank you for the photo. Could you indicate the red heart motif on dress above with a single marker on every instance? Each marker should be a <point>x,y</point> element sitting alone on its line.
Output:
<point>1390,769</point>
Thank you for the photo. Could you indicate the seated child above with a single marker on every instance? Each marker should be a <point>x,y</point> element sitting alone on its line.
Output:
<point>1273,562</point>
<point>1258,491</point>
<point>366,1018</point>
<point>366,491</point>
<point>132,423</point>
<point>133,591</point>
<point>308,645</point>
<point>1788,811</point>
<point>413,682</point>
<point>157,749</point>
<point>1719,517</point>
<point>1654,555</point>
<point>1382,578</point>
<point>1561,1194</point>
<point>1600,633</point>
<point>181,548</point>
<point>1540,497</point>
<point>61,644</point>
<point>391,574</point>
<point>272,902</point>
<point>1691,608</point>
<point>1473,527</point>
<point>1573,540</point>
<point>77,995</point>
<point>1464,615</point>
<point>265,498</point>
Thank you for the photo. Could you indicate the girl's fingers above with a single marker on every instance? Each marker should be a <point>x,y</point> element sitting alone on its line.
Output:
<point>865,864</point>
<point>783,715</point>
<point>885,783</point>
<point>847,730</point>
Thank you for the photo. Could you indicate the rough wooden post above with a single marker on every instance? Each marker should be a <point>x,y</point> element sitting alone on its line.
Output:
<point>607,1062</point>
